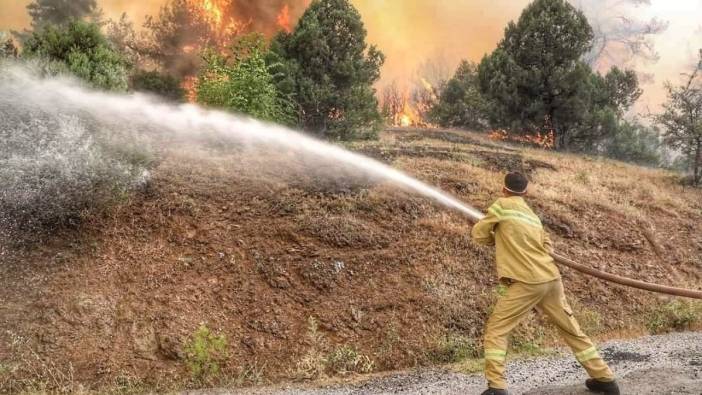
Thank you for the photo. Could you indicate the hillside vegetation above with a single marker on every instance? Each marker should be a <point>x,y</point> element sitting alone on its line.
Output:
<point>219,273</point>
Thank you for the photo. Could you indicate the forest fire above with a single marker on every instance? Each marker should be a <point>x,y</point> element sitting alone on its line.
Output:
<point>545,140</point>
<point>213,11</point>
<point>228,19</point>
<point>283,19</point>
<point>407,107</point>
<point>408,116</point>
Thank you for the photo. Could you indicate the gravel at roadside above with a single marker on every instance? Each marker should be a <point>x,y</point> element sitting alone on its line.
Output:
<point>665,364</point>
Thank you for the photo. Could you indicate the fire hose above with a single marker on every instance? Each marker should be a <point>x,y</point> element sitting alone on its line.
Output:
<point>629,282</point>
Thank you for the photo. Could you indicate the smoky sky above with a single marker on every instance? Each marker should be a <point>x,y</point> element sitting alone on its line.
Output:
<point>410,32</point>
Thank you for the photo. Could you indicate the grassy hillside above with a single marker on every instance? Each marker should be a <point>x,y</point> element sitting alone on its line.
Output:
<point>304,275</point>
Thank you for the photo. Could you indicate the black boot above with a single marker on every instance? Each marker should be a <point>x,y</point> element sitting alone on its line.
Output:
<point>495,391</point>
<point>602,387</point>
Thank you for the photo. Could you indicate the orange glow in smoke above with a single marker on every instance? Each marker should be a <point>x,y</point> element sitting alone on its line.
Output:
<point>284,19</point>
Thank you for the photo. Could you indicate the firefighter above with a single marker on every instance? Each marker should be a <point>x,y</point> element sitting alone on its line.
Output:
<point>526,268</point>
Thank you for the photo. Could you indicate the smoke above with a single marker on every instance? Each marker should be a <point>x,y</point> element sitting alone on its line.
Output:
<point>263,16</point>
<point>411,32</point>
<point>623,37</point>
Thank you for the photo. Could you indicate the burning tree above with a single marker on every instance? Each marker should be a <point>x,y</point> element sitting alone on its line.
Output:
<point>402,108</point>
<point>411,105</point>
<point>183,29</point>
<point>535,76</point>
<point>682,120</point>
<point>392,103</point>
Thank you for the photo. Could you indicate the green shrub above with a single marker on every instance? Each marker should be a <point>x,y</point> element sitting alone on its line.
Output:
<point>242,83</point>
<point>81,49</point>
<point>674,315</point>
<point>204,354</point>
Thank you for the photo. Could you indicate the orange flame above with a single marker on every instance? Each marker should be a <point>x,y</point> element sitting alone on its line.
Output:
<point>284,19</point>
<point>408,116</point>
<point>412,111</point>
<point>213,11</point>
<point>545,140</point>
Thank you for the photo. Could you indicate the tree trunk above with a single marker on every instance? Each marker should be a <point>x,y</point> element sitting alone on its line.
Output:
<point>697,163</point>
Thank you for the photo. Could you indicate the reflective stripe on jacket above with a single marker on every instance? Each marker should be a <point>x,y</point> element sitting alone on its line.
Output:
<point>522,245</point>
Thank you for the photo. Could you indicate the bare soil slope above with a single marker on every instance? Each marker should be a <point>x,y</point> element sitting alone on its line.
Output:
<point>254,254</point>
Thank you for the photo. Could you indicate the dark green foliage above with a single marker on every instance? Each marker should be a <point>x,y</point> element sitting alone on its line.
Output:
<point>536,82</point>
<point>81,49</point>
<point>242,82</point>
<point>622,89</point>
<point>681,120</point>
<point>535,76</point>
<point>633,142</point>
<point>604,101</point>
<point>330,71</point>
<point>461,104</point>
<point>163,85</point>
<point>58,12</point>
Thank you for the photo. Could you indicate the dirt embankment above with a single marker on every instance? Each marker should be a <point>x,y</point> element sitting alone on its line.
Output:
<point>255,252</point>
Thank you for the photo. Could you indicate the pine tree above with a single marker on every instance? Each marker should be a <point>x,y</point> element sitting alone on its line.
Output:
<point>59,12</point>
<point>461,104</point>
<point>536,76</point>
<point>331,71</point>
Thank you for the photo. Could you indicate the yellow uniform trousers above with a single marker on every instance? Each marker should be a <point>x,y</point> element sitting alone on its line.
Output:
<point>549,299</point>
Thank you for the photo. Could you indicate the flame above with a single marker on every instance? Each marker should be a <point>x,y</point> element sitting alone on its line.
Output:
<point>284,19</point>
<point>411,109</point>
<point>429,88</point>
<point>408,116</point>
<point>213,11</point>
<point>545,140</point>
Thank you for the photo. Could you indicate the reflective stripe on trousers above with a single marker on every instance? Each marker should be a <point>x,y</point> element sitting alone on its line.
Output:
<point>548,298</point>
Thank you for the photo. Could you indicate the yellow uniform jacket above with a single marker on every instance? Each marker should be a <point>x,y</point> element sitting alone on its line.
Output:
<point>522,245</point>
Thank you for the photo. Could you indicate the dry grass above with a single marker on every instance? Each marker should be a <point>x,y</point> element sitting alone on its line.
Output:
<point>254,248</point>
